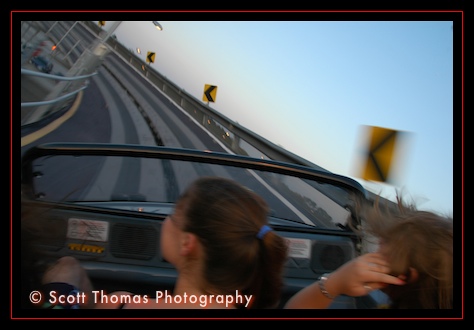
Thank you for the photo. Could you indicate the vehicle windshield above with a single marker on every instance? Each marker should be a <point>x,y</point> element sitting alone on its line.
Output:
<point>152,182</point>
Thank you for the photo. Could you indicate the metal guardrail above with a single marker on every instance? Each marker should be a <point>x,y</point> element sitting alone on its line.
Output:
<point>55,77</point>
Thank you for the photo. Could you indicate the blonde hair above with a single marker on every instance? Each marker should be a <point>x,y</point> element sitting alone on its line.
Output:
<point>414,239</point>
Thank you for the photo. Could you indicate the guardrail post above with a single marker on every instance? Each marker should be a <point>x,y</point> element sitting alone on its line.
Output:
<point>235,142</point>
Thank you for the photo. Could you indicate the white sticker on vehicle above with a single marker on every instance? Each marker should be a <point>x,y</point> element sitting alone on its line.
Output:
<point>88,230</point>
<point>299,248</point>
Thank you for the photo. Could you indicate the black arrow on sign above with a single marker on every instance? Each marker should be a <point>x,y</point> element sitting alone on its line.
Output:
<point>150,57</point>
<point>208,93</point>
<point>372,154</point>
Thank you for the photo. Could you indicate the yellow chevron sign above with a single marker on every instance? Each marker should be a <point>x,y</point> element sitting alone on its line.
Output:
<point>379,154</point>
<point>210,92</point>
<point>150,57</point>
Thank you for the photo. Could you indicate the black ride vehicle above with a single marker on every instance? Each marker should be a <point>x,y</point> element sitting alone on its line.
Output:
<point>105,204</point>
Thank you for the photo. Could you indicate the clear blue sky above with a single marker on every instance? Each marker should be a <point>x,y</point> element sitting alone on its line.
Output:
<point>312,86</point>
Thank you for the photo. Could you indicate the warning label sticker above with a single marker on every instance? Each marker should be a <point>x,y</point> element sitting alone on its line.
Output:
<point>299,247</point>
<point>88,230</point>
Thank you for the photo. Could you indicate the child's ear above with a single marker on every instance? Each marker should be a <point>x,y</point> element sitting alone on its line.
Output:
<point>189,244</point>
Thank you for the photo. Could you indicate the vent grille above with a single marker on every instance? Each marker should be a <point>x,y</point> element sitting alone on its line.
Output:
<point>133,242</point>
<point>328,256</point>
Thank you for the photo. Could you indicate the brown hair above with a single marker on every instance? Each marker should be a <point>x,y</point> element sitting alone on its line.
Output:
<point>226,217</point>
<point>416,239</point>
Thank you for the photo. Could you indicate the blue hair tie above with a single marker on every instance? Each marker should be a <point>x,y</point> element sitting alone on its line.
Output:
<point>265,229</point>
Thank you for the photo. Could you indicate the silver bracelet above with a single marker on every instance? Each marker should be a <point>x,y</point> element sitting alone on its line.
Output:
<point>322,286</point>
